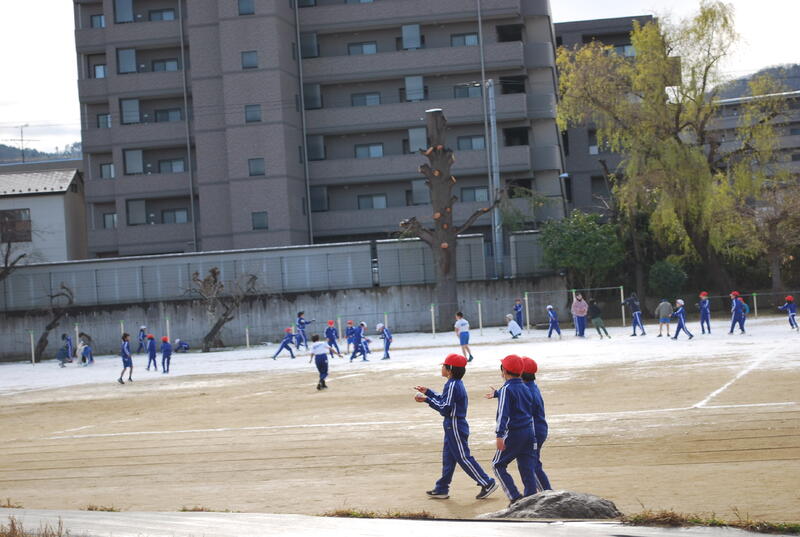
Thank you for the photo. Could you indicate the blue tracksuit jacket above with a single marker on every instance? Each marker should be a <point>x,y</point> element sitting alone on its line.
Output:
<point>285,344</point>
<point>791,309</point>
<point>302,339</point>
<point>87,354</point>
<point>737,315</point>
<point>125,350</point>
<point>705,315</point>
<point>142,339</point>
<point>540,429</point>
<point>166,355</point>
<point>331,335</point>
<point>636,312</point>
<point>387,340</point>
<point>452,405</point>
<point>151,354</point>
<point>515,426</point>
<point>349,332</point>
<point>680,314</point>
<point>553,316</point>
<point>359,344</point>
<point>182,347</point>
<point>70,347</point>
<point>518,313</point>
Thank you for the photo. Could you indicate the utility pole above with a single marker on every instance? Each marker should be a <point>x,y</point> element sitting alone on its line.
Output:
<point>21,139</point>
<point>497,221</point>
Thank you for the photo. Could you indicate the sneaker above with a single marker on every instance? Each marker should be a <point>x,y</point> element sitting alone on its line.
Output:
<point>690,336</point>
<point>120,380</point>
<point>674,338</point>
<point>130,379</point>
<point>486,490</point>
<point>659,335</point>
<point>438,495</point>
<point>470,358</point>
<point>148,369</point>
<point>319,386</point>
<point>633,335</point>
<point>364,360</point>
<point>515,500</point>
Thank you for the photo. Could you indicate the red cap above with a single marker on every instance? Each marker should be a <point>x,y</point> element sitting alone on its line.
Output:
<point>455,360</point>
<point>734,293</point>
<point>288,330</point>
<point>529,365</point>
<point>704,293</point>
<point>790,298</point>
<point>349,322</point>
<point>330,323</point>
<point>740,299</point>
<point>513,364</point>
<point>150,336</point>
<point>165,339</point>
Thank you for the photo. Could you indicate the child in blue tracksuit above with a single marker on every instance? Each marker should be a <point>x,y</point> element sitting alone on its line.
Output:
<point>319,353</point>
<point>790,308</point>
<point>166,354</point>
<point>529,369</point>
<point>86,354</point>
<point>737,312</point>
<point>516,438</point>
<point>285,344</point>
<point>452,405</point>
<point>680,314</point>
<point>68,344</point>
<point>302,323</point>
<point>142,339</point>
<point>331,335</point>
<point>151,352</point>
<point>349,332</point>
<point>360,342</point>
<point>705,312</point>
<point>181,346</point>
<point>636,312</point>
<point>125,354</point>
<point>552,316</point>
<point>518,311</point>
<point>386,336</point>
<point>745,312</point>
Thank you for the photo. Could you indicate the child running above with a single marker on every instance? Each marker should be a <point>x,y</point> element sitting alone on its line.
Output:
<point>166,354</point>
<point>302,323</point>
<point>680,314</point>
<point>552,316</point>
<point>462,332</point>
<point>331,335</point>
<point>127,363</point>
<point>529,369</point>
<point>386,336</point>
<point>285,344</point>
<point>360,342</point>
<point>452,405</point>
<point>349,332</point>
<point>790,308</point>
<point>142,339</point>
<point>319,353</point>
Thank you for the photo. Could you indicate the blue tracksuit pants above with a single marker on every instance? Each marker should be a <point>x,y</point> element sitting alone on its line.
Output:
<point>302,340</point>
<point>792,320</point>
<point>334,345</point>
<point>321,360</point>
<point>705,322</point>
<point>152,360</point>
<point>737,318</point>
<point>386,344</point>
<point>456,451</point>
<point>519,318</point>
<point>682,326</point>
<point>284,345</point>
<point>541,477</point>
<point>520,445</point>
<point>553,326</point>
<point>637,321</point>
<point>359,347</point>
<point>580,325</point>
<point>165,363</point>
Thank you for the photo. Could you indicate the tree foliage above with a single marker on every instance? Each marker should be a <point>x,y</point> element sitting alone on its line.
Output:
<point>657,109</point>
<point>666,279</point>
<point>585,247</point>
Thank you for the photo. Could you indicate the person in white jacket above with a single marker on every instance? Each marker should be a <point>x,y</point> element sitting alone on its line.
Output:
<point>513,328</point>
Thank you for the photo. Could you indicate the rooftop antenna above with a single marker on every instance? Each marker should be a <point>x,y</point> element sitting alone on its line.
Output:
<point>21,140</point>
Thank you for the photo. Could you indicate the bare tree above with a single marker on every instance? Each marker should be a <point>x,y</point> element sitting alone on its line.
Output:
<point>60,303</point>
<point>11,259</point>
<point>442,237</point>
<point>221,304</point>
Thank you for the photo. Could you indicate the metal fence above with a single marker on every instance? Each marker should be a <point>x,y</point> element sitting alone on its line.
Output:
<point>410,261</point>
<point>527,255</point>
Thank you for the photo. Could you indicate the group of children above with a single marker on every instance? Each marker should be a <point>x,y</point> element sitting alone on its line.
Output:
<point>147,343</point>
<point>520,429</point>
<point>67,351</point>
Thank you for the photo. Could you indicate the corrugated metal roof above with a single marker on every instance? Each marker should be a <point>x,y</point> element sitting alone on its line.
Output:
<point>40,182</point>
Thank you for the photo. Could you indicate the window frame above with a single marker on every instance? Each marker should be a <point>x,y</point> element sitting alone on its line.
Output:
<point>249,7</point>
<point>114,220</point>
<point>351,47</point>
<point>119,62</point>
<point>474,190</point>
<point>258,214</point>
<point>161,12</point>
<point>249,54</point>
<point>174,215</point>
<point>252,113</point>
<point>16,229</point>
<point>463,37</point>
<point>469,90</point>
<point>166,63</point>
<point>169,111</point>
<point>471,138</point>
<point>372,198</point>
<point>98,17</point>
<point>369,147</point>
<point>101,67</point>
<point>255,161</point>
<point>366,96</point>
<point>107,166</point>
<point>104,121</point>
<point>162,165</point>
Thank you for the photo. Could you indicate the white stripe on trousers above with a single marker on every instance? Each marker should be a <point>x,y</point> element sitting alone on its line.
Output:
<point>497,474</point>
<point>477,475</point>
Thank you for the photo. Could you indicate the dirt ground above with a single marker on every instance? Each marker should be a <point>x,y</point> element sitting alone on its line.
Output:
<point>269,442</point>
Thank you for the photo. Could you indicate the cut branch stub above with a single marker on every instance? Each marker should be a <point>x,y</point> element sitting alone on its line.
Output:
<point>437,173</point>
<point>437,215</point>
<point>453,179</point>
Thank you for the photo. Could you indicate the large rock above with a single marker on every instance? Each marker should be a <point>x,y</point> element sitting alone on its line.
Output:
<point>559,504</point>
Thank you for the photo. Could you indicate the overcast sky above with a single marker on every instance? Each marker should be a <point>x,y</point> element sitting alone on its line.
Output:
<point>40,70</point>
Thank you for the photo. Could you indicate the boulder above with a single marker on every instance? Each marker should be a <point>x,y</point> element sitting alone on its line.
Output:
<point>559,504</point>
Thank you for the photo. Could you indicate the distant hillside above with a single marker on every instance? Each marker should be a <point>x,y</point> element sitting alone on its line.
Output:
<point>11,154</point>
<point>788,75</point>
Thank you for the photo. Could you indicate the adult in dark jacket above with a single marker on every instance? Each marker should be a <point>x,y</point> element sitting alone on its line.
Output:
<point>636,312</point>
<point>596,315</point>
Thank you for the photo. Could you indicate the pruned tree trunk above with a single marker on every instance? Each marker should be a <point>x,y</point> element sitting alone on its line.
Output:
<point>42,342</point>
<point>211,339</point>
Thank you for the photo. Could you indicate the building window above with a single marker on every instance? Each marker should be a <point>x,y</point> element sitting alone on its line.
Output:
<point>512,84</point>
<point>417,139</point>
<point>134,162</point>
<point>107,171</point>
<point>166,115</point>
<point>103,121</point>
<point>162,14</point>
<point>356,49</point>
<point>471,143</point>
<point>252,113</point>
<point>126,60</point>
<point>315,144</point>
<point>136,211</point>
<point>794,132</point>
<point>247,7</point>
<point>249,59</point>
<point>175,165</point>
<point>129,109</point>
<point>123,11</point>
<point>306,3</point>
<point>256,166</point>
<point>309,46</point>
<point>515,136</point>
<point>99,70</point>
<point>419,194</point>
<point>593,148</point>
<point>475,193</point>
<point>97,21</point>
<point>464,40</point>
<point>312,96</point>
<point>15,225</point>
<point>259,220</point>
<point>510,32</point>
<point>319,199</point>
<point>369,150</point>
<point>372,201</point>
<point>411,37</point>
<point>358,1</point>
<point>174,216</point>
<point>626,51</point>
<point>170,64</point>
<point>415,89</point>
<point>109,220</point>
<point>365,99</point>
<point>466,91</point>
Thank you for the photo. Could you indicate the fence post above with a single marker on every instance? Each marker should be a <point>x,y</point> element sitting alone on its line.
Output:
<point>247,336</point>
<point>33,348</point>
<point>77,331</point>
<point>339,326</point>
<point>622,301</point>
<point>168,331</point>
<point>527,313</point>
<point>385,319</point>
<point>480,316</point>
<point>121,327</point>
<point>574,319</point>
<point>755,304</point>
<point>433,321</point>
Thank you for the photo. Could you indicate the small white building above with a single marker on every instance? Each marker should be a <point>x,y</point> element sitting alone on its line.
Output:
<point>43,215</point>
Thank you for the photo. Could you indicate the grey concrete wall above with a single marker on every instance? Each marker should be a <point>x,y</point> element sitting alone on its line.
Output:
<point>407,307</point>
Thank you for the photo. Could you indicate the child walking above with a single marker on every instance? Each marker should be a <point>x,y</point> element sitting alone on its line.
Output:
<point>331,335</point>
<point>680,313</point>
<point>166,354</point>
<point>663,314</point>
<point>452,405</point>
<point>529,370</point>
<point>319,353</point>
<point>151,352</point>
<point>596,315</point>
<point>790,308</point>
<point>579,310</point>
<point>737,312</point>
<point>552,315</point>
<point>142,339</point>
<point>127,363</point>
<point>705,312</point>
<point>386,336</point>
<point>285,344</point>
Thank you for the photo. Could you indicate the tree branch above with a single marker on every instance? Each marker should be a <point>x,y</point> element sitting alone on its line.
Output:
<point>480,212</point>
<point>413,226</point>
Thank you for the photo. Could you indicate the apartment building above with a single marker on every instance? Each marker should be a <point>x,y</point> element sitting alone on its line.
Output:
<point>243,123</point>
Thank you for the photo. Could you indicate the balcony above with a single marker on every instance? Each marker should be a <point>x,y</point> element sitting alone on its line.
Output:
<point>349,17</point>
<point>370,170</point>
<point>418,62</point>
<point>154,185</point>
<point>150,83</point>
<point>151,134</point>
<point>402,115</point>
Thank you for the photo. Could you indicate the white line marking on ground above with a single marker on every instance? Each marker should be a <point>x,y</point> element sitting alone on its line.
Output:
<point>73,430</point>
<point>730,383</point>
<point>787,403</point>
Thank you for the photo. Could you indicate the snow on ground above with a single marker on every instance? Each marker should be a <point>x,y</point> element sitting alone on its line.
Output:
<point>766,341</point>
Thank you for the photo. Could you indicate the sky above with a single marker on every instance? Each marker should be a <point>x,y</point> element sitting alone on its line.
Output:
<point>40,69</point>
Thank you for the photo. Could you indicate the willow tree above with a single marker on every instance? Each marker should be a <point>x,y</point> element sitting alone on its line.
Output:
<point>659,110</point>
<point>441,237</point>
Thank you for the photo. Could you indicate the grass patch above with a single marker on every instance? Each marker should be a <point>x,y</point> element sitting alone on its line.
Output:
<point>10,505</point>
<point>671,519</point>
<point>106,508</point>
<point>203,509</point>
<point>15,529</point>
<point>360,513</point>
